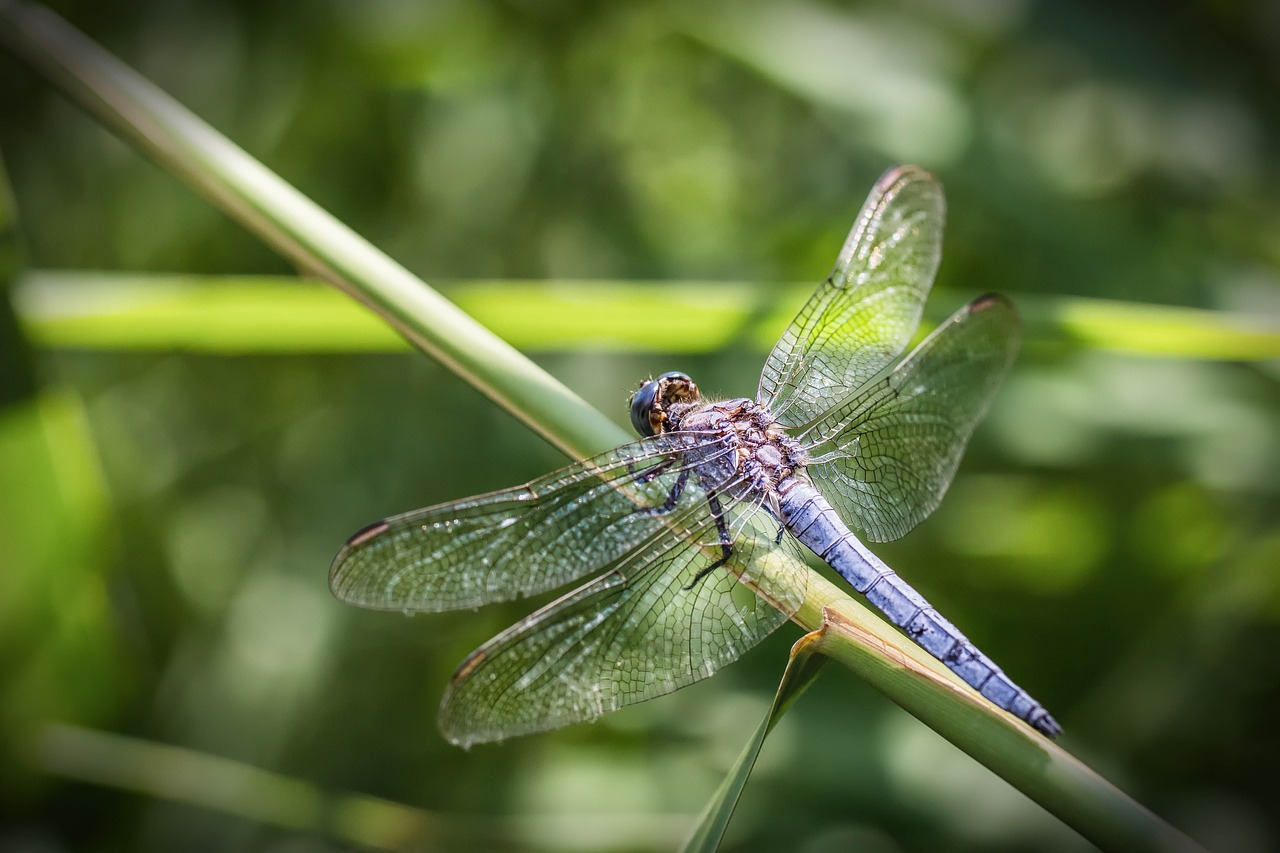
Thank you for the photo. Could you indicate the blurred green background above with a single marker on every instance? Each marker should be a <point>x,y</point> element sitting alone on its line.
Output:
<point>173,671</point>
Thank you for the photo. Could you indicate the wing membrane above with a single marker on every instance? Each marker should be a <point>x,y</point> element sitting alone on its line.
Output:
<point>866,312</point>
<point>886,456</point>
<point>640,631</point>
<point>524,540</point>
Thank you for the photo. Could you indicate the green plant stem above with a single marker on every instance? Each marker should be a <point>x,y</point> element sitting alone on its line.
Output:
<point>1039,768</point>
<point>233,314</point>
<point>295,226</point>
<point>253,196</point>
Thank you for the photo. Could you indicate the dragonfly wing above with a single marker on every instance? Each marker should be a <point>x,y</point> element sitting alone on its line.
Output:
<point>885,456</point>
<point>525,540</point>
<point>864,315</point>
<point>643,629</point>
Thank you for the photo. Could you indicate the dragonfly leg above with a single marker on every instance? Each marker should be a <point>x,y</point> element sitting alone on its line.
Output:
<point>654,472</point>
<point>726,541</point>
<point>673,497</point>
<point>782,528</point>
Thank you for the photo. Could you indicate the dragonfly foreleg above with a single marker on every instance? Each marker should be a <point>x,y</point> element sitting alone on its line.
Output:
<point>726,541</point>
<point>782,527</point>
<point>654,472</point>
<point>673,497</point>
<point>776,516</point>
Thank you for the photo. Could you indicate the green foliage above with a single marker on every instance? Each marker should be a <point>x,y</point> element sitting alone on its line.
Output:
<point>240,314</point>
<point>803,666</point>
<point>171,521</point>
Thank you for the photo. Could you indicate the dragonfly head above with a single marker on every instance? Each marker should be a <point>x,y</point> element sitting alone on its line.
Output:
<point>649,405</point>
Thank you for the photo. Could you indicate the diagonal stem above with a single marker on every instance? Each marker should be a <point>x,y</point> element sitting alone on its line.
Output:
<point>298,228</point>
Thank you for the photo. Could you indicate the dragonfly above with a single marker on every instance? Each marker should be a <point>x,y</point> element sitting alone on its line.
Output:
<point>693,538</point>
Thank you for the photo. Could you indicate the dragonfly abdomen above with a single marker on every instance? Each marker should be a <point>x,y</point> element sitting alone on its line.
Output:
<point>813,521</point>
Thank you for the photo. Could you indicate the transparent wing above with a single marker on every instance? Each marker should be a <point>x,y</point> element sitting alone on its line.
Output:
<point>864,315</point>
<point>642,630</point>
<point>524,540</point>
<point>885,456</point>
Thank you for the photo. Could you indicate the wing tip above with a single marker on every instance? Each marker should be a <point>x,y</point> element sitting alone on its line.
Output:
<point>998,303</point>
<point>364,534</point>
<point>338,582</point>
<point>915,187</point>
<point>990,300</point>
<point>904,172</point>
<point>896,179</point>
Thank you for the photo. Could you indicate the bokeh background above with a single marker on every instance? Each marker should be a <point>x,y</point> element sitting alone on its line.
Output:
<point>173,671</point>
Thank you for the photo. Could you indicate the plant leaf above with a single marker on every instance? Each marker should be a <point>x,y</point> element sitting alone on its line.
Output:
<point>803,666</point>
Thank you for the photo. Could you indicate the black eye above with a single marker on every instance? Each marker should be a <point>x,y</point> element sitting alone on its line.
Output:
<point>648,405</point>
<point>641,404</point>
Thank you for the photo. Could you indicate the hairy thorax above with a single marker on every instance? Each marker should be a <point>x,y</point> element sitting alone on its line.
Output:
<point>758,452</point>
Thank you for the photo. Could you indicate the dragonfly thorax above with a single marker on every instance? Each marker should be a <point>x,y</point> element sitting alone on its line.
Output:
<point>758,455</point>
<point>764,455</point>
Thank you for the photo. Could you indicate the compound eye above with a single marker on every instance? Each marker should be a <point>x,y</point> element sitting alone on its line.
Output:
<point>642,403</point>
<point>649,404</point>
